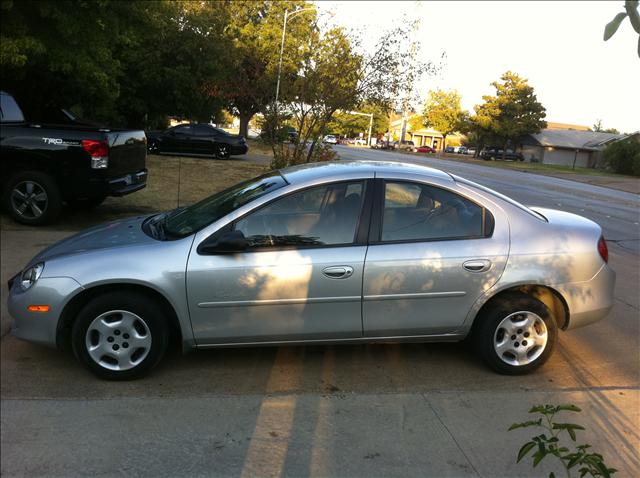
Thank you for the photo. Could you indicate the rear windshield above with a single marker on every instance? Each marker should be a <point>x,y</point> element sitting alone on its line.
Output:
<point>9,110</point>
<point>501,196</point>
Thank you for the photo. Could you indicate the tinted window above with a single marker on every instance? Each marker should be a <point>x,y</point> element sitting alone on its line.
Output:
<point>419,212</point>
<point>186,129</point>
<point>324,215</point>
<point>9,109</point>
<point>203,130</point>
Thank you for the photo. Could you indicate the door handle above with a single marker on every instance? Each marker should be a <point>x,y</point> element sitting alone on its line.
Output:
<point>338,272</point>
<point>477,265</point>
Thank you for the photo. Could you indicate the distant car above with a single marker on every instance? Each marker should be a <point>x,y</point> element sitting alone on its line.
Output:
<point>360,141</point>
<point>462,150</point>
<point>196,140</point>
<point>494,154</point>
<point>332,252</point>
<point>403,145</point>
<point>381,144</point>
<point>449,149</point>
<point>286,133</point>
<point>471,151</point>
<point>424,149</point>
<point>330,139</point>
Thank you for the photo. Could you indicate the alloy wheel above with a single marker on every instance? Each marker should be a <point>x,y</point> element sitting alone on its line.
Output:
<point>118,340</point>
<point>29,199</point>
<point>222,152</point>
<point>520,338</point>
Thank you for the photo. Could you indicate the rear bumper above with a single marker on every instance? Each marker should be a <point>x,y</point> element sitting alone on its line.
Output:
<point>589,301</point>
<point>128,184</point>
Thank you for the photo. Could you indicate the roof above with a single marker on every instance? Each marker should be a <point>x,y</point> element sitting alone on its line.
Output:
<point>567,126</point>
<point>588,140</point>
<point>350,169</point>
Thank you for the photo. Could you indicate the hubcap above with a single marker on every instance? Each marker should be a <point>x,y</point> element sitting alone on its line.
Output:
<point>118,340</point>
<point>29,199</point>
<point>223,152</point>
<point>520,338</point>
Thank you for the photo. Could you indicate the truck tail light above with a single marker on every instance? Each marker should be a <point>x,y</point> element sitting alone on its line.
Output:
<point>99,152</point>
<point>603,249</point>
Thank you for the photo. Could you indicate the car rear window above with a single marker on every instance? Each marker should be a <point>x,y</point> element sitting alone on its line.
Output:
<point>9,110</point>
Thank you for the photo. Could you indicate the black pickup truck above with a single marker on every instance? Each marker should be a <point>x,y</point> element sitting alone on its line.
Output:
<point>46,165</point>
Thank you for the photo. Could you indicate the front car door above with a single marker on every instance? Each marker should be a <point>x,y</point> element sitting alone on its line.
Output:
<point>178,140</point>
<point>433,251</point>
<point>300,279</point>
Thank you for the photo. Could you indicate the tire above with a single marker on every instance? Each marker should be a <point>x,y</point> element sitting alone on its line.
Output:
<point>85,204</point>
<point>516,335</point>
<point>120,335</point>
<point>221,151</point>
<point>32,198</point>
<point>153,147</point>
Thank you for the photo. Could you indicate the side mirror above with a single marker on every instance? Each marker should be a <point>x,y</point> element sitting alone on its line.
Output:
<point>229,242</point>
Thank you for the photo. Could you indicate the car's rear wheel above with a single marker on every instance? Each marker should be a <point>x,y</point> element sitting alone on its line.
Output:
<point>153,147</point>
<point>32,198</point>
<point>120,335</point>
<point>516,335</point>
<point>221,151</point>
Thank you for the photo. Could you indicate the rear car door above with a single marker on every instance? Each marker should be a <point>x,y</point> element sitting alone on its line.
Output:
<point>300,279</point>
<point>433,251</point>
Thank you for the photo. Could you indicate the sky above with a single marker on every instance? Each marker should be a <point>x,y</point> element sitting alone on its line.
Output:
<point>557,46</point>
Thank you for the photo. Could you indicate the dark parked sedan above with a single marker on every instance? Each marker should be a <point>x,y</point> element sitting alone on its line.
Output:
<point>196,140</point>
<point>493,154</point>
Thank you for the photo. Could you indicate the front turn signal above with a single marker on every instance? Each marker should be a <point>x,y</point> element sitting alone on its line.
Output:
<point>38,308</point>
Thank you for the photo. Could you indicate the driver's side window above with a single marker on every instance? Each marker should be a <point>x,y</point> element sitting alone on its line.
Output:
<point>318,216</point>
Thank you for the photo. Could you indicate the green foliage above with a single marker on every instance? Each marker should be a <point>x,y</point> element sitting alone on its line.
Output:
<point>126,63</point>
<point>549,444</point>
<point>350,125</point>
<point>597,127</point>
<point>443,112</point>
<point>513,112</point>
<point>623,157</point>
<point>631,11</point>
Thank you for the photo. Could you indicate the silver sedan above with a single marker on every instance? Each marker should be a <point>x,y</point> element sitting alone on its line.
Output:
<point>342,252</point>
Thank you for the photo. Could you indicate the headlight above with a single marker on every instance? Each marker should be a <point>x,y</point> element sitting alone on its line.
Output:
<point>31,275</point>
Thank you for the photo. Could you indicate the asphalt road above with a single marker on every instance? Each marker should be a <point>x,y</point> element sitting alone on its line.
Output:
<point>366,410</point>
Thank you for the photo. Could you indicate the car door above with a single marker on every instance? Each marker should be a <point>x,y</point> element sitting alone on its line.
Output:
<point>300,278</point>
<point>204,139</point>
<point>433,252</point>
<point>179,140</point>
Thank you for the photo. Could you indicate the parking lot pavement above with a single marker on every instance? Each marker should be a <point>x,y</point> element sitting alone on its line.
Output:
<point>351,410</point>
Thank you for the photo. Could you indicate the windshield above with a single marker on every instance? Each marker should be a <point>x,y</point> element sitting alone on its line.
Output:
<point>183,222</point>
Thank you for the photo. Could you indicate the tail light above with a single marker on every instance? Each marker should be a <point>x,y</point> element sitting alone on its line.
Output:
<point>603,249</point>
<point>99,152</point>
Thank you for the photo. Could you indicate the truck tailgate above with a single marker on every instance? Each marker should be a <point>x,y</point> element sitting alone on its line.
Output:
<point>127,152</point>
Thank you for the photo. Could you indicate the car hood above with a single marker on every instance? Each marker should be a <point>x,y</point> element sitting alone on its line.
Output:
<point>123,232</point>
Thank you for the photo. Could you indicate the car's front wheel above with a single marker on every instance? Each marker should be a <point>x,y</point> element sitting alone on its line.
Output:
<point>120,335</point>
<point>516,335</point>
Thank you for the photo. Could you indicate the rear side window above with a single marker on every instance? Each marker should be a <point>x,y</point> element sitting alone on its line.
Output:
<point>203,130</point>
<point>415,212</point>
<point>9,110</point>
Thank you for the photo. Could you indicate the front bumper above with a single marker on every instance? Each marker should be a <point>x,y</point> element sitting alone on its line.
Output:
<point>591,300</point>
<point>40,327</point>
<point>238,149</point>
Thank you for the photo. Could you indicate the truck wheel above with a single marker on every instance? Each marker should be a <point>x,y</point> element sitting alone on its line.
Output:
<point>85,204</point>
<point>32,198</point>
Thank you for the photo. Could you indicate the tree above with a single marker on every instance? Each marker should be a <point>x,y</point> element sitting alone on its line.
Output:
<point>631,11</point>
<point>350,125</point>
<point>598,128</point>
<point>336,74</point>
<point>443,112</point>
<point>623,157</point>
<point>255,32</point>
<point>509,115</point>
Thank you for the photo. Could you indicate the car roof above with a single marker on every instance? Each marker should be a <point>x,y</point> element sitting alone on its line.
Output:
<point>311,171</point>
